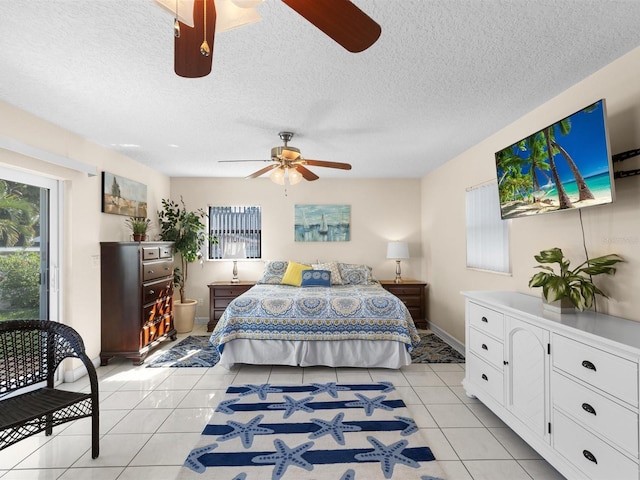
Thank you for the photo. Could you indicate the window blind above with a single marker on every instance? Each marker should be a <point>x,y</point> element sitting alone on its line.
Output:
<point>233,225</point>
<point>487,233</point>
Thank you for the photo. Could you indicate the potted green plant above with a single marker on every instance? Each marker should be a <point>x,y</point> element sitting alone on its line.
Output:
<point>138,226</point>
<point>187,230</point>
<point>574,286</point>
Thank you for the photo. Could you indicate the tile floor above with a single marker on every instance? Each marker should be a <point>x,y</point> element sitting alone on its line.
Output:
<point>151,418</point>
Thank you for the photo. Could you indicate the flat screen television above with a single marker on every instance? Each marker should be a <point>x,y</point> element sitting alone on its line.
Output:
<point>578,174</point>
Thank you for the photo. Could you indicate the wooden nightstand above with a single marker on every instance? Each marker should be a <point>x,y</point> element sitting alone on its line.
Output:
<point>220,295</point>
<point>413,294</point>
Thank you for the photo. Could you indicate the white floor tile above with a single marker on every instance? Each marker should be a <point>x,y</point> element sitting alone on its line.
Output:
<point>115,450</point>
<point>13,455</point>
<point>453,379</point>
<point>39,474</point>
<point>214,382</point>
<point>187,420</point>
<point>108,473</point>
<point>453,416</point>
<point>496,470</point>
<point>123,400</point>
<point>475,444</point>
<point>486,416</point>
<point>518,448</point>
<point>174,447</point>
<point>438,443</point>
<point>454,470</point>
<point>165,472</point>
<point>424,379</point>
<point>60,452</point>
<point>142,420</point>
<point>202,398</point>
<point>436,395</point>
<point>163,399</point>
<point>540,470</point>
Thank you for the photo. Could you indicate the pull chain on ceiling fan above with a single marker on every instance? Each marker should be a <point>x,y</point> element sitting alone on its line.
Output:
<point>195,26</point>
<point>289,164</point>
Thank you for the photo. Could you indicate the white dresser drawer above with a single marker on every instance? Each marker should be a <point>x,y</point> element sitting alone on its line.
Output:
<point>594,457</point>
<point>486,347</point>
<point>615,422</point>
<point>610,373</point>
<point>486,377</point>
<point>486,320</point>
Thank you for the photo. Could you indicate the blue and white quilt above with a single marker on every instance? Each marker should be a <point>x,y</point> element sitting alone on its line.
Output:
<point>339,312</point>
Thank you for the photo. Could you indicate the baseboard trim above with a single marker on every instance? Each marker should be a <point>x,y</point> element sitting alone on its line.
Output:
<point>71,376</point>
<point>455,344</point>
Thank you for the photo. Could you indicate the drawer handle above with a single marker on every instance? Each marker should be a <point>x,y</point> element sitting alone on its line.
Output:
<point>149,271</point>
<point>484,377</point>
<point>167,269</point>
<point>588,408</point>
<point>588,365</point>
<point>589,456</point>
<point>484,319</point>
<point>484,346</point>
<point>151,292</point>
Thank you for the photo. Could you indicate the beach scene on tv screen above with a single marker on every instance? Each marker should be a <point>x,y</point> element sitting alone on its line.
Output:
<point>577,174</point>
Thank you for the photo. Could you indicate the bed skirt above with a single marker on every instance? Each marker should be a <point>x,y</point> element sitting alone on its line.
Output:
<point>343,353</point>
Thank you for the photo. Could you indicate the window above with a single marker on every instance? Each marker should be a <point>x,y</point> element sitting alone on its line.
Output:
<point>487,233</point>
<point>238,230</point>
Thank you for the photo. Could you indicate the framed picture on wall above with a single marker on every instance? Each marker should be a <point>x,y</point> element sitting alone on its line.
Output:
<point>322,223</point>
<point>122,196</point>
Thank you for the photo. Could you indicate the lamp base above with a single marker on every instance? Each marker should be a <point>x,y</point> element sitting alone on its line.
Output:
<point>235,278</point>
<point>398,277</point>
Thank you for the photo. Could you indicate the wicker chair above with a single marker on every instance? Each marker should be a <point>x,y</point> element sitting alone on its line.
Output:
<point>30,352</point>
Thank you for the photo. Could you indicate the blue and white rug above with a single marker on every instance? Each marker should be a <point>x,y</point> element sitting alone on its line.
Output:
<point>317,431</point>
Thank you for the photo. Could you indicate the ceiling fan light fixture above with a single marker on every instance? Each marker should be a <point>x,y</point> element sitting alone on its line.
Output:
<point>294,176</point>
<point>277,176</point>
<point>230,15</point>
<point>182,10</point>
<point>247,3</point>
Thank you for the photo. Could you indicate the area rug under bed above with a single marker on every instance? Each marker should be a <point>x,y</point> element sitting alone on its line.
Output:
<point>196,351</point>
<point>316,431</point>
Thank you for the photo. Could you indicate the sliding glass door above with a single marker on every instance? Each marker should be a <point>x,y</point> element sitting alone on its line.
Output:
<point>29,246</point>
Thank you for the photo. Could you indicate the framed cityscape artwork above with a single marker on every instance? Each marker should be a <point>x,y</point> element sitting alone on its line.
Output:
<point>121,196</point>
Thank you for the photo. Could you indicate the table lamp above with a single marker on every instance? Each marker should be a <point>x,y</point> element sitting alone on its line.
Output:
<point>397,251</point>
<point>234,251</point>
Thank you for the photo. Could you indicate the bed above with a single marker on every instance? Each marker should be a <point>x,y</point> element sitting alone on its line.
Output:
<point>338,325</point>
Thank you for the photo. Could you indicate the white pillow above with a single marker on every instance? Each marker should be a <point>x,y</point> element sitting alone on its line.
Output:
<point>336,279</point>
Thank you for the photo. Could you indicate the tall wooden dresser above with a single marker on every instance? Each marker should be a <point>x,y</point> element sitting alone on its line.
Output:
<point>137,298</point>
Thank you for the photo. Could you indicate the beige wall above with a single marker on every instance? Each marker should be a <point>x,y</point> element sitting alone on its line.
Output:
<point>381,210</point>
<point>83,224</point>
<point>608,229</point>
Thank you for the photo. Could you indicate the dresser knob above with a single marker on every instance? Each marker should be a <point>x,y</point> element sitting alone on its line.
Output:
<point>588,408</point>
<point>484,347</point>
<point>484,319</point>
<point>484,377</point>
<point>151,292</point>
<point>588,365</point>
<point>589,456</point>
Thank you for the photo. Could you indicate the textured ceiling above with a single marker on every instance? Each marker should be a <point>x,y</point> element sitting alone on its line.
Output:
<point>444,75</point>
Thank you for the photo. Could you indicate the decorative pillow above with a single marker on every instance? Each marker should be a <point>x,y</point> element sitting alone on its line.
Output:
<point>273,272</point>
<point>316,278</point>
<point>336,279</point>
<point>293,275</point>
<point>355,274</point>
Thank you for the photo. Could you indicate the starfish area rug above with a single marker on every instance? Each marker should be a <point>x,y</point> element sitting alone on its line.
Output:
<point>322,431</point>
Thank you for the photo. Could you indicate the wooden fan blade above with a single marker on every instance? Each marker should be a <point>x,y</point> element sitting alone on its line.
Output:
<point>324,163</point>
<point>262,171</point>
<point>188,61</point>
<point>307,174</point>
<point>341,20</point>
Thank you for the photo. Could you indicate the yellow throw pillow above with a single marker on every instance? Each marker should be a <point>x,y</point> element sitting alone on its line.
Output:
<point>293,274</point>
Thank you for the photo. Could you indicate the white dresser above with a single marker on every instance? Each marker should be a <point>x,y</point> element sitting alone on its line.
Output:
<point>568,385</point>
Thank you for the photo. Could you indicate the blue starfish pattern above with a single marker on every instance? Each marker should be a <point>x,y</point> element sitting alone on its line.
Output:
<point>245,431</point>
<point>335,428</point>
<point>261,390</point>
<point>369,404</point>
<point>331,388</point>
<point>192,462</point>
<point>284,457</point>
<point>349,475</point>
<point>243,476</point>
<point>388,456</point>
<point>222,406</point>
<point>291,405</point>
<point>410,428</point>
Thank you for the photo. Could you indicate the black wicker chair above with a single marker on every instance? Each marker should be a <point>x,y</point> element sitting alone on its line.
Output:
<point>30,352</point>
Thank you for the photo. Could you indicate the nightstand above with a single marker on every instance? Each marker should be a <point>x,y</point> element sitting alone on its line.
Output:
<point>413,294</point>
<point>220,295</point>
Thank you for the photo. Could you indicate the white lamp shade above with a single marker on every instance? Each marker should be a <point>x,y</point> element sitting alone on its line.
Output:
<point>234,251</point>
<point>277,176</point>
<point>397,250</point>
<point>294,176</point>
<point>184,10</point>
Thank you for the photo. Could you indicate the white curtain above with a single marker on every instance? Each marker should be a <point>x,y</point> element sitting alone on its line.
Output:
<point>487,233</point>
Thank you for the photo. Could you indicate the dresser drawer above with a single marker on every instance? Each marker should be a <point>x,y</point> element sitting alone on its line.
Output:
<point>486,377</point>
<point>486,347</point>
<point>231,291</point>
<point>595,412</point>
<point>605,371</point>
<point>594,457</point>
<point>150,253</point>
<point>486,320</point>
<point>405,289</point>
<point>152,291</point>
<point>153,270</point>
<point>166,252</point>
<point>160,308</point>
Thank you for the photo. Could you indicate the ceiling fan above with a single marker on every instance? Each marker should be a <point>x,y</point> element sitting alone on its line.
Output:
<point>289,164</point>
<point>194,35</point>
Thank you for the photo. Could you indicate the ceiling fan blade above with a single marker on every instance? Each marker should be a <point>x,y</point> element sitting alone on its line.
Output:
<point>307,174</point>
<point>324,163</point>
<point>188,61</point>
<point>262,171</point>
<point>341,20</point>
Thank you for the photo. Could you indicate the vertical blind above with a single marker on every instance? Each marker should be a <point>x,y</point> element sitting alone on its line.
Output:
<point>233,226</point>
<point>487,233</point>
